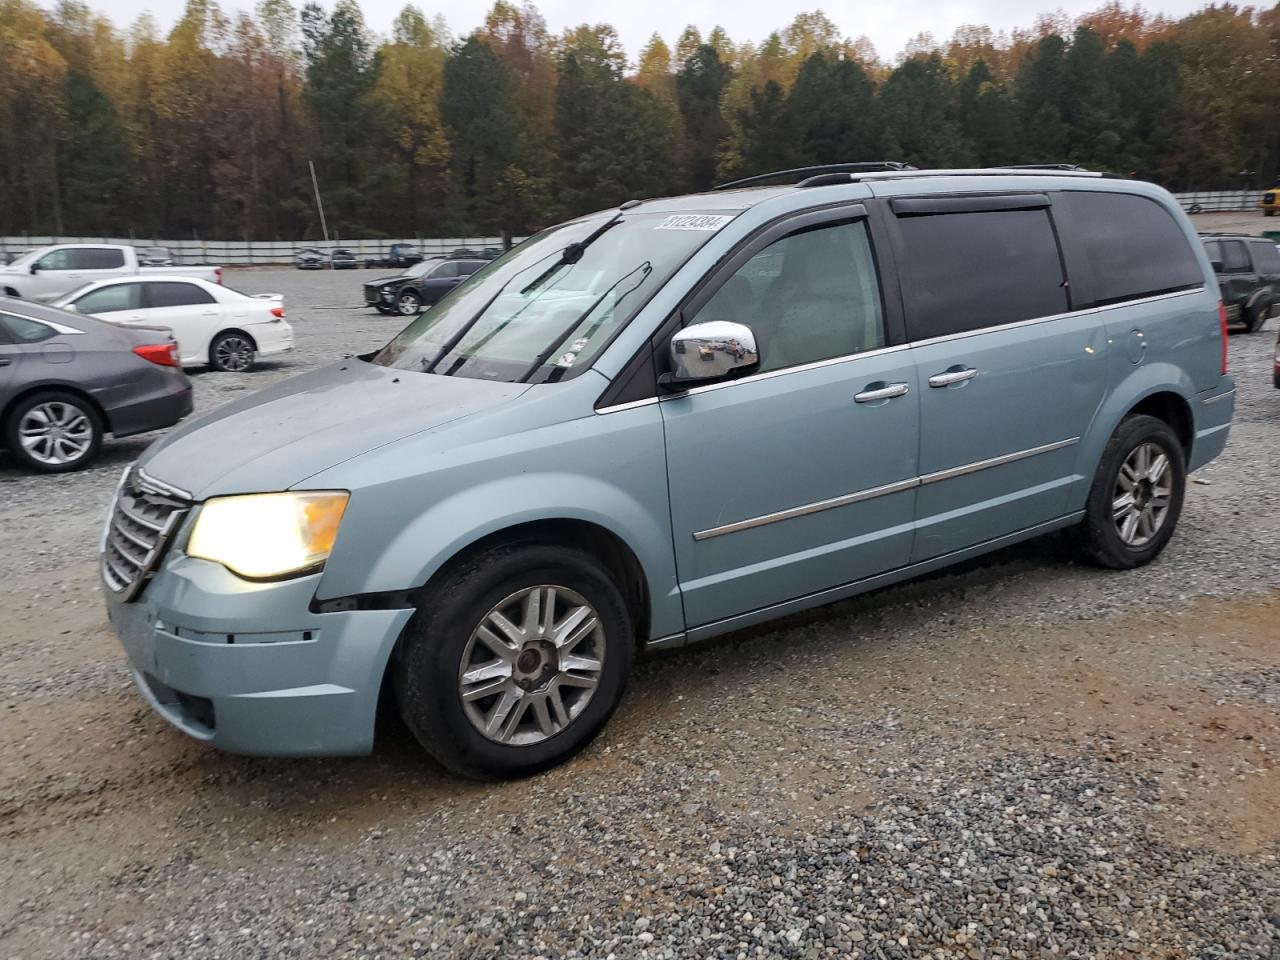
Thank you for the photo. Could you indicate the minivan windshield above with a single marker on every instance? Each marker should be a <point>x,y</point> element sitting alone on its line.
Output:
<point>548,306</point>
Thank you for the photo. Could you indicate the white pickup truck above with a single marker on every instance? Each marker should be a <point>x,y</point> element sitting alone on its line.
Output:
<point>50,272</point>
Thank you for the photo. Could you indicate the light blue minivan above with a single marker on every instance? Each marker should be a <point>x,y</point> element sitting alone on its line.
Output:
<point>659,423</point>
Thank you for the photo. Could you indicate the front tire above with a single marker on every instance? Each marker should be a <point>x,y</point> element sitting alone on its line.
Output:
<point>54,431</point>
<point>1137,495</point>
<point>1255,318</point>
<point>408,303</point>
<point>232,352</point>
<point>515,661</point>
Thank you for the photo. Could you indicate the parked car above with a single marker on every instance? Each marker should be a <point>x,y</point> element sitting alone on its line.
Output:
<point>66,381</point>
<point>216,325</point>
<point>309,258</point>
<point>466,253</point>
<point>1270,201</point>
<point>343,259</point>
<point>1248,272</point>
<point>398,255</point>
<point>422,285</point>
<point>50,272</point>
<point>656,424</point>
<point>156,257</point>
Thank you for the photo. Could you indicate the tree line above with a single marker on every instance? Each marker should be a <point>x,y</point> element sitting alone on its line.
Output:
<point>209,130</point>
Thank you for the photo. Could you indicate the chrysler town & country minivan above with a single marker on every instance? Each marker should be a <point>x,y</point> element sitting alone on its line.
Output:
<point>656,424</point>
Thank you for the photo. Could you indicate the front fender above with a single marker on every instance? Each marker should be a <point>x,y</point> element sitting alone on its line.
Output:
<point>608,470</point>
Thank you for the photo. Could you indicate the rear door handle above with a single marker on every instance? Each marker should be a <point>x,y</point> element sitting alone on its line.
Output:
<point>886,392</point>
<point>948,377</point>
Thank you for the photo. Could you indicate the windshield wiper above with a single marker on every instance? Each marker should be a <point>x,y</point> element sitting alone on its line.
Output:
<point>644,269</point>
<point>572,253</point>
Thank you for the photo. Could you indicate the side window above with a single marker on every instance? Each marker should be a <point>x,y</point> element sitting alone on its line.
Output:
<point>446,270</point>
<point>1133,245</point>
<point>1235,258</point>
<point>468,267</point>
<point>1213,250</point>
<point>1265,257</point>
<point>176,295</point>
<point>23,330</point>
<point>810,296</point>
<point>99,258</point>
<point>970,270</point>
<point>120,296</point>
<point>55,260</point>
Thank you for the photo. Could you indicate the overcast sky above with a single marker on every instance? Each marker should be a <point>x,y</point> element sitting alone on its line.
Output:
<point>889,25</point>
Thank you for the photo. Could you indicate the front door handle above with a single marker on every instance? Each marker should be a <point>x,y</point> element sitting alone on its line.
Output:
<point>948,377</point>
<point>885,392</point>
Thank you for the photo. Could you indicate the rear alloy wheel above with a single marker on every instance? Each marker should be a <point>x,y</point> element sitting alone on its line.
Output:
<point>515,661</point>
<point>1137,495</point>
<point>232,352</point>
<point>408,303</point>
<point>54,432</point>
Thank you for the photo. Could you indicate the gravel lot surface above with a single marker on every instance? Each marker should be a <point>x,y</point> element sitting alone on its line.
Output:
<point>1025,757</point>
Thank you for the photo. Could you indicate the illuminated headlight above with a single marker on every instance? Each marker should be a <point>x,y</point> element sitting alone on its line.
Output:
<point>268,536</point>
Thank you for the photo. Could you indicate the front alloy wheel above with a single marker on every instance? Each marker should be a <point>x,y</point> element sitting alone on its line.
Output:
<point>408,303</point>
<point>515,659</point>
<point>532,665</point>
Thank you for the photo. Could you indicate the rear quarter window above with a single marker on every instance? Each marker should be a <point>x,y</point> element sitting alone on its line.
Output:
<point>1266,258</point>
<point>1133,246</point>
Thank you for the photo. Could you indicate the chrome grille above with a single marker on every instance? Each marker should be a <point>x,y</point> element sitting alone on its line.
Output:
<point>144,516</point>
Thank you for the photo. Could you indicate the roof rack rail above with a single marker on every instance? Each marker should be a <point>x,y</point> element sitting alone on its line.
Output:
<point>807,173</point>
<point>1071,167</point>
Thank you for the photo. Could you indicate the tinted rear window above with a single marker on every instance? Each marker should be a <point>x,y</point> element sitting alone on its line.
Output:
<point>1266,257</point>
<point>1133,245</point>
<point>95,258</point>
<point>176,295</point>
<point>966,271</point>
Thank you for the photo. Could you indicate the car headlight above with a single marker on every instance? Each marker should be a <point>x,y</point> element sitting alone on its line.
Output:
<point>268,536</point>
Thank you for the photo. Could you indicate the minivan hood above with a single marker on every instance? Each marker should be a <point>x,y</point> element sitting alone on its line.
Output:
<point>281,435</point>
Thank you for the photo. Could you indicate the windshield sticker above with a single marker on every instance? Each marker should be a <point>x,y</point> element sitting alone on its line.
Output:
<point>694,221</point>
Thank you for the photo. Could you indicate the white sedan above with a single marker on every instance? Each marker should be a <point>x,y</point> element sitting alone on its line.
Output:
<point>213,324</point>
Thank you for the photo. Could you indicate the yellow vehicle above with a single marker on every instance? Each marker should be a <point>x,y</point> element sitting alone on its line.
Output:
<point>1270,201</point>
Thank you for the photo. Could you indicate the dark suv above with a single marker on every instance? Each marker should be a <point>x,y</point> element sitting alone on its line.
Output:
<point>422,285</point>
<point>1248,271</point>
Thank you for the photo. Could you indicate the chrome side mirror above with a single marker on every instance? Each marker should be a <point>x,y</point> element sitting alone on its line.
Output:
<point>709,351</point>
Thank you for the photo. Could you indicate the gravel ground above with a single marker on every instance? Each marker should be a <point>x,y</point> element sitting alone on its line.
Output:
<point>1024,757</point>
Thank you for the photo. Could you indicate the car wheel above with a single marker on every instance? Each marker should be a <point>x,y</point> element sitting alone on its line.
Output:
<point>232,352</point>
<point>1255,318</point>
<point>54,431</point>
<point>408,303</point>
<point>1137,495</point>
<point>515,661</point>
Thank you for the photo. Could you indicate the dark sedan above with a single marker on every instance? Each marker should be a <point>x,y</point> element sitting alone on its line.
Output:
<point>422,285</point>
<point>67,380</point>
<point>342,259</point>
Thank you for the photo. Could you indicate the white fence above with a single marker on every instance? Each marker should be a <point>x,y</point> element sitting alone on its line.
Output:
<point>1214,201</point>
<point>239,253</point>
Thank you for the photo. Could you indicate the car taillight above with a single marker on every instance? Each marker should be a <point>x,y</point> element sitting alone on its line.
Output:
<point>163,354</point>
<point>1222,324</point>
<point>278,312</point>
<point>217,275</point>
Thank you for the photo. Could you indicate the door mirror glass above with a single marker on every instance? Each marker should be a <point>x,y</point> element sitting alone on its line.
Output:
<point>35,268</point>
<point>709,351</point>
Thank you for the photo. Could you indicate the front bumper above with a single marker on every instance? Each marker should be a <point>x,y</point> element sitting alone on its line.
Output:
<point>248,667</point>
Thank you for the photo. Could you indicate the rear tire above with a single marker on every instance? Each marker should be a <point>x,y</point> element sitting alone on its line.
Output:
<point>54,431</point>
<point>1137,495</point>
<point>495,691</point>
<point>232,352</point>
<point>1255,318</point>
